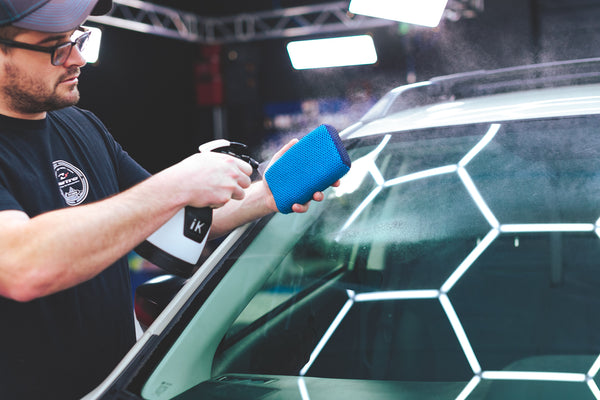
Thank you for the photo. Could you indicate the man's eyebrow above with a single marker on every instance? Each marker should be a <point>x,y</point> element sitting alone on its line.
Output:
<point>54,38</point>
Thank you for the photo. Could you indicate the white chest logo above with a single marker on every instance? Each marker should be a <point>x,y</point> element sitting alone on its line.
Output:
<point>72,182</point>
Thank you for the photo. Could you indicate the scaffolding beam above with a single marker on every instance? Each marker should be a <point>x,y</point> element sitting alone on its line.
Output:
<point>300,21</point>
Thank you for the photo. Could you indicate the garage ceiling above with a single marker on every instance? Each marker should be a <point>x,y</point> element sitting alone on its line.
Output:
<point>229,21</point>
<point>231,7</point>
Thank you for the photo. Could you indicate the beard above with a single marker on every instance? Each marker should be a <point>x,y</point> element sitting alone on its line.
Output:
<point>27,95</point>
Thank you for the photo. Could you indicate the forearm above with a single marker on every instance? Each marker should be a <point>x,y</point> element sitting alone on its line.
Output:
<point>236,213</point>
<point>59,249</point>
<point>257,203</point>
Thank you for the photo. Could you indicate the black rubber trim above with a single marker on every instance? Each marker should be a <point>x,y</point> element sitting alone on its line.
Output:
<point>164,260</point>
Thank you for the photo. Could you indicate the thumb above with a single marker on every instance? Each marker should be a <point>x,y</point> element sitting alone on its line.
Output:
<point>281,152</point>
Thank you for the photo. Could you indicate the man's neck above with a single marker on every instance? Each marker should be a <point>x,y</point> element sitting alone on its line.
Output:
<point>19,115</point>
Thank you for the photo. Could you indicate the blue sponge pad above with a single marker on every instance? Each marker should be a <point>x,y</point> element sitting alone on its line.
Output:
<point>311,165</point>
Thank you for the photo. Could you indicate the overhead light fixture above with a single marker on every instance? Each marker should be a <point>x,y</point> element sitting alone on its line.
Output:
<point>333,52</point>
<point>420,12</point>
<point>91,51</point>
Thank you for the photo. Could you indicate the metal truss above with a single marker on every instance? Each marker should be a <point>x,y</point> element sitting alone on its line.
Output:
<point>150,18</point>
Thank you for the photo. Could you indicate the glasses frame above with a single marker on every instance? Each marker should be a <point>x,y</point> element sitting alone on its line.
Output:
<point>52,50</point>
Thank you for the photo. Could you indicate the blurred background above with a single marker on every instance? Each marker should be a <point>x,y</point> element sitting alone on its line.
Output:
<point>163,89</point>
<point>173,74</point>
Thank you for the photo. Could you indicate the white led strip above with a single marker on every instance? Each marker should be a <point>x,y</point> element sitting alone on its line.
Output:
<point>533,376</point>
<point>441,293</point>
<point>302,388</point>
<point>519,228</point>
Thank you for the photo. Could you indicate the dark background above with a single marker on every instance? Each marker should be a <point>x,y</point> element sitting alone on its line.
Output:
<point>143,87</point>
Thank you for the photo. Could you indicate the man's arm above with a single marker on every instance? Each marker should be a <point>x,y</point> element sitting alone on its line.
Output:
<point>59,249</point>
<point>257,203</point>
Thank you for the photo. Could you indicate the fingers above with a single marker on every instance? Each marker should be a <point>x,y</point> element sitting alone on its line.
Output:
<point>302,208</point>
<point>241,180</point>
<point>244,167</point>
<point>213,179</point>
<point>318,196</point>
<point>238,192</point>
<point>239,173</point>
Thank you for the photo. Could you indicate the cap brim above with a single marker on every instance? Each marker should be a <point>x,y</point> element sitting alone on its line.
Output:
<point>61,15</point>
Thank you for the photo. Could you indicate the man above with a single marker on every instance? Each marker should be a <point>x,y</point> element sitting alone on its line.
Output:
<point>73,204</point>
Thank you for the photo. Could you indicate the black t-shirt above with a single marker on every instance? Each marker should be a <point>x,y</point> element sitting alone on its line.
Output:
<point>63,345</point>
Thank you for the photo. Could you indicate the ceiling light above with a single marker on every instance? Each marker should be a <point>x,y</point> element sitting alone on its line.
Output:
<point>334,52</point>
<point>420,12</point>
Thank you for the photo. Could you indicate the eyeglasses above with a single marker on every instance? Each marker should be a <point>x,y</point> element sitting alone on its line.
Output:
<point>59,53</point>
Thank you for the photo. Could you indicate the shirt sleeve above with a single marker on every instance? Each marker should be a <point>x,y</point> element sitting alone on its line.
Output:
<point>7,200</point>
<point>129,171</point>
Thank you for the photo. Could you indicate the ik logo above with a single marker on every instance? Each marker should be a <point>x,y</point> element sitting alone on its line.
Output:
<point>197,226</point>
<point>72,183</point>
<point>197,223</point>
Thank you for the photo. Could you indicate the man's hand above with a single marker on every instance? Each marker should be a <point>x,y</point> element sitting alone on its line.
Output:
<point>257,203</point>
<point>297,208</point>
<point>212,179</point>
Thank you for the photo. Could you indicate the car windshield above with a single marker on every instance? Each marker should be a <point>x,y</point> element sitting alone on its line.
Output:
<point>451,263</point>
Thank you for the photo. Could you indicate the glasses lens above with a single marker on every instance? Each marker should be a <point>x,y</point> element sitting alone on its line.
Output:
<point>81,41</point>
<point>61,53</point>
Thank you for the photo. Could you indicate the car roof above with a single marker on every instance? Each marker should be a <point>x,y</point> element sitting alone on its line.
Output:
<point>542,103</point>
<point>536,91</point>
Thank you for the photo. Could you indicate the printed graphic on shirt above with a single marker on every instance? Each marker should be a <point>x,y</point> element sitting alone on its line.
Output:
<point>72,182</point>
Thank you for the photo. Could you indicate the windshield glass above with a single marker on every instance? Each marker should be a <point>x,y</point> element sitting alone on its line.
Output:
<point>452,263</point>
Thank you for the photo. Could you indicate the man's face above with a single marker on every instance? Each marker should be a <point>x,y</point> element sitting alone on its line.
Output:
<point>30,85</point>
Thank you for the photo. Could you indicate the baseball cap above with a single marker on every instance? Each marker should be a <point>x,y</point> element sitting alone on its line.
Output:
<point>50,15</point>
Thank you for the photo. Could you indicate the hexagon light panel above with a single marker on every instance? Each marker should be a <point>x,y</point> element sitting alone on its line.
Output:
<point>496,229</point>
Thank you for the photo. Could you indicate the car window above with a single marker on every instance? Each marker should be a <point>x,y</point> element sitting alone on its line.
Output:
<point>455,262</point>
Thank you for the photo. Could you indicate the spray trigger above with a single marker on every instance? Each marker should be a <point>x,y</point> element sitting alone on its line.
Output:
<point>234,149</point>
